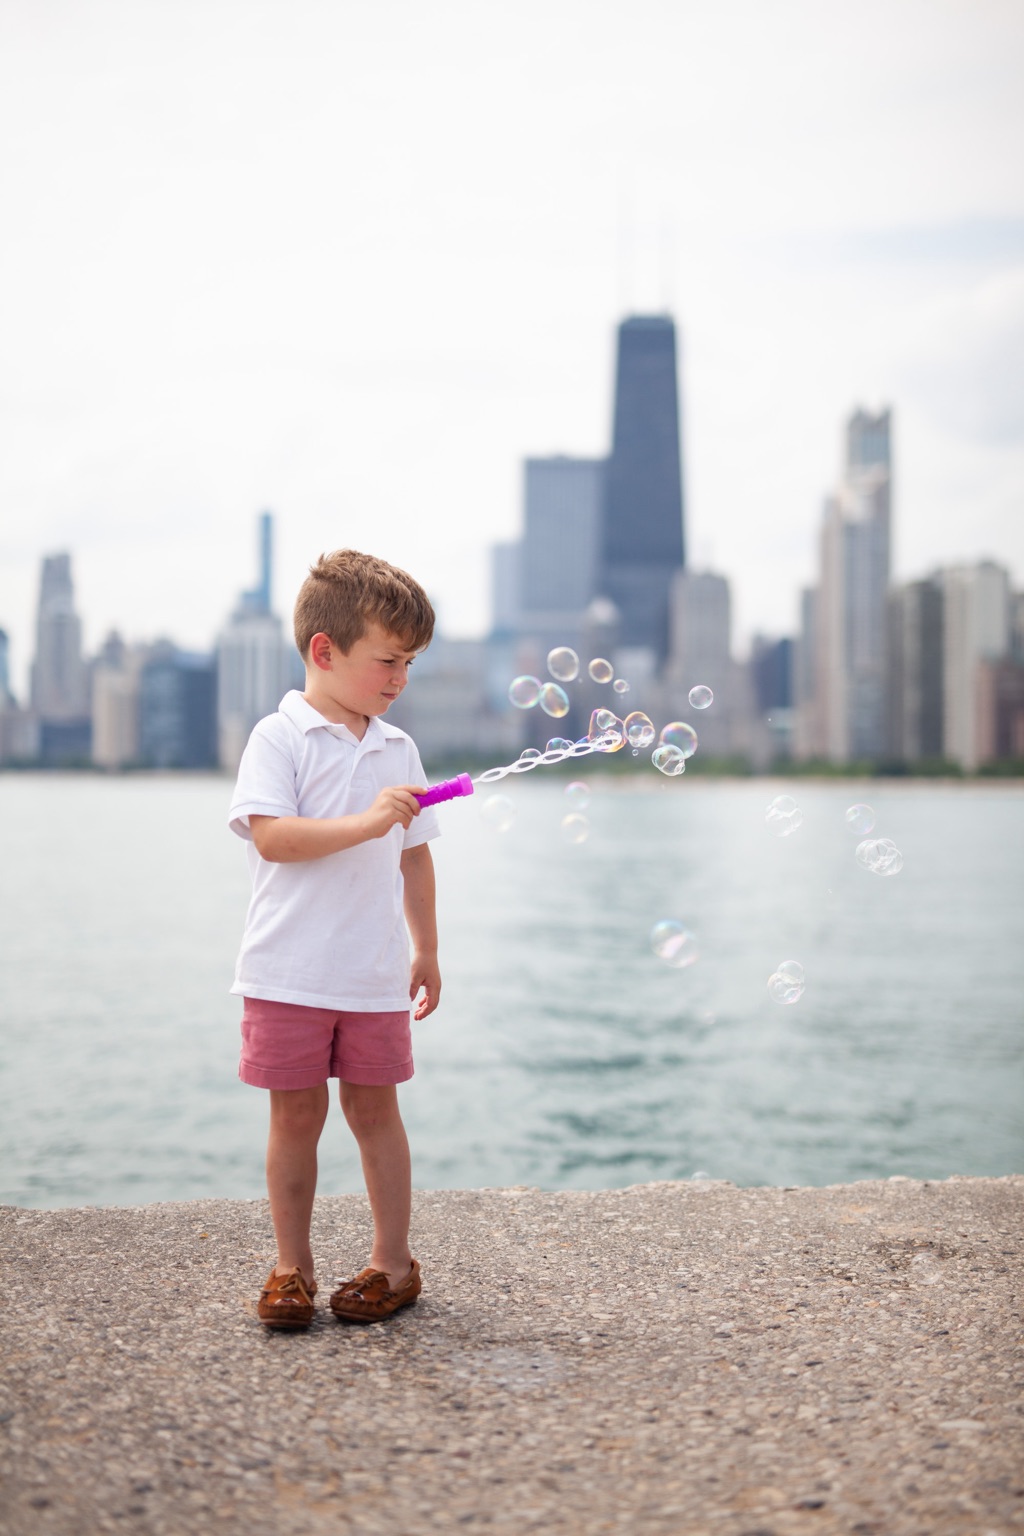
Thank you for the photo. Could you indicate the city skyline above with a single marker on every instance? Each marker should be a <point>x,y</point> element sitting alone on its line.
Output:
<point>232,294</point>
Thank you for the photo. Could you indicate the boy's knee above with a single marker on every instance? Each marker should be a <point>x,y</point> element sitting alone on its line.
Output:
<point>366,1107</point>
<point>298,1111</point>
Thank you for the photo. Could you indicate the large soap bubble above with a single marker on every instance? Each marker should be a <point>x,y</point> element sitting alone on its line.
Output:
<point>639,729</point>
<point>553,700</point>
<point>701,696</point>
<point>786,983</point>
<point>669,761</point>
<point>524,691</point>
<point>578,794</point>
<point>563,663</point>
<point>673,943</point>
<point>783,815</point>
<point>860,819</point>
<point>678,734</point>
<point>880,856</point>
<point>601,671</point>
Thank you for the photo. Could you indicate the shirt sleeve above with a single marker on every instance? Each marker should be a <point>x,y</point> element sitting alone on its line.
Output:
<point>266,779</point>
<point>425,826</point>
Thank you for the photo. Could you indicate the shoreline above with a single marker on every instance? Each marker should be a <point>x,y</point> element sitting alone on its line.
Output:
<point>685,1358</point>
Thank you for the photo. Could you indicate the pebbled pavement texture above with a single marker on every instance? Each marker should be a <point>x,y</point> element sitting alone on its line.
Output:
<point>671,1358</point>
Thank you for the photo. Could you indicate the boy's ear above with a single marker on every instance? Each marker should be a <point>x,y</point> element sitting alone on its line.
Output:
<point>320,648</point>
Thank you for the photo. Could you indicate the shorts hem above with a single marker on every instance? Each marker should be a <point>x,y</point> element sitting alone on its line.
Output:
<point>280,1077</point>
<point>373,1077</point>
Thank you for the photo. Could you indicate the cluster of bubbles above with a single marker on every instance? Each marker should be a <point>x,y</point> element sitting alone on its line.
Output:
<point>524,692</point>
<point>786,983</point>
<point>674,943</point>
<point>880,856</point>
<point>783,815</point>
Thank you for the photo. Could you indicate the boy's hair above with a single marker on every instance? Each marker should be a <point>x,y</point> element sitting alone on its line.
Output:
<point>346,591</point>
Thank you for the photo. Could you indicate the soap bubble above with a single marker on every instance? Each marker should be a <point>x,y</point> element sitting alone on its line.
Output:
<point>786,983</point>
<point>783,815</point>
<point>575,828</point>
<point>524,691</point>
<point>701,696</point>
<point>489,776</point>
<point>498,813</point>
<point>639,729</point>
<point>578,794</point>
<point>620,685</point>
<point>673,943</point>
<point>563,663</point>
<point>527,759</point>
<point>668,760</point>
<point>879,855</point>
<point>559,744</point>
<point>553,700</point>
<point>601,671</point>
<point>860,819</point>
<point>607,732</point>
<point>678,734</point>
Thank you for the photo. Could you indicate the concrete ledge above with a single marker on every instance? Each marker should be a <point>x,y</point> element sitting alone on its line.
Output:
<point>671,1358</point>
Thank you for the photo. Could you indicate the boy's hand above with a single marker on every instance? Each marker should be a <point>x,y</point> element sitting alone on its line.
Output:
<point>394,806</point>
<point>426,974</point>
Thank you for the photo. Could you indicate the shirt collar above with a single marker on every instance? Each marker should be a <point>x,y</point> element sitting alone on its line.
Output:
<point>301,713</point>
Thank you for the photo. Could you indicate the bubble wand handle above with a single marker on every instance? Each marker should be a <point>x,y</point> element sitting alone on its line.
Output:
<point>451,789</point>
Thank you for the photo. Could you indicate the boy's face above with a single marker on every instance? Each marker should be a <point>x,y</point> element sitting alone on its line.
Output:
<point>346,687</point>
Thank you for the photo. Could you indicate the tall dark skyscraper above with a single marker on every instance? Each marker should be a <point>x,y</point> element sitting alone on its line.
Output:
<point>642,545</point>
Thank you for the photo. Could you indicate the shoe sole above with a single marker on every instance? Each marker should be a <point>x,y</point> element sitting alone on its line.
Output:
<point>361,1317</point>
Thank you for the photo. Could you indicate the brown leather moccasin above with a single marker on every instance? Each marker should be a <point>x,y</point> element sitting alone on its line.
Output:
<point>369,1299</point>
<point>286,1301</point>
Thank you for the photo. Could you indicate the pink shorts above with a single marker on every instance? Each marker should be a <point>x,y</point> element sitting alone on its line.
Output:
<point>287,1045</point>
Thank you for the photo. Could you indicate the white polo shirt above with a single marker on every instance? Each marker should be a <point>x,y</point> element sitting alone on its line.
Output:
<point>330,932</point>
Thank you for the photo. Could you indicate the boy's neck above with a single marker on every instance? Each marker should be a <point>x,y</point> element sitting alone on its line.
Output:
<point>337,714</point>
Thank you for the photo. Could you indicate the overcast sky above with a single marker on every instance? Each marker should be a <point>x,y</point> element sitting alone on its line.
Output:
<point>354,261</point>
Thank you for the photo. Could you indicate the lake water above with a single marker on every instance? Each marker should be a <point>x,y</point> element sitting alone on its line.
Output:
<point>565,1053</point>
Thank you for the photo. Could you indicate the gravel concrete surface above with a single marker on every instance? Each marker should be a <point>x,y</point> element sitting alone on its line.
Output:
<point>687,1358</point>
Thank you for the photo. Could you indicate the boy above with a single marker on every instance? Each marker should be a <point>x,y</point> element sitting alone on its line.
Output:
<point>338,850</point>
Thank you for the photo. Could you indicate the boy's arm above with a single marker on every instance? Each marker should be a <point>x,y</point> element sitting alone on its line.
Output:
<point>421,916</point>
<point>291,839</point>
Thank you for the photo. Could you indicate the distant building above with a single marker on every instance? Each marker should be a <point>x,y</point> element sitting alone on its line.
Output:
<point>256,664</point>
<point>808,737</point>
<point>851,605</point>
<point>115,704</point>
<point>771,668</point>
<point>700,652</point>
<point>914,697</point>
<point>6,696</point>
<point>60,678</point>
<point>977,618</point>
<point>642,541</point>
<point>178,709</point>
<point>506,587</point>
<point>562,527</point>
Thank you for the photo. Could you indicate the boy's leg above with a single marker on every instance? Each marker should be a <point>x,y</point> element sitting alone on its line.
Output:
<point>297,1118</point>
<point>373,1116</point>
